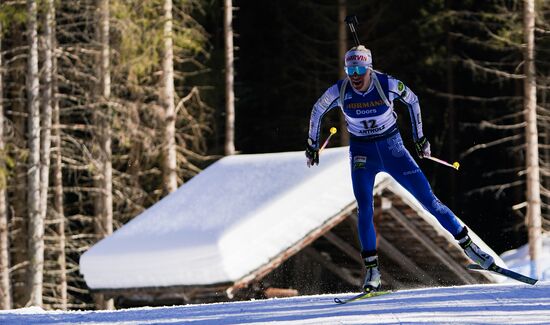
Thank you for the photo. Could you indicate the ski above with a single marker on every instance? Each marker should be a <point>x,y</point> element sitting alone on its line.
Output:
<point>361,296</point>
<point>504,272</point>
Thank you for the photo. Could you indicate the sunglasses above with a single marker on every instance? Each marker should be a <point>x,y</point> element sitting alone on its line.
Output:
<point>355,69</point>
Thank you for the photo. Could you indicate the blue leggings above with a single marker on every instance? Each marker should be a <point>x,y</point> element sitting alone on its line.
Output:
<point>389,155</point>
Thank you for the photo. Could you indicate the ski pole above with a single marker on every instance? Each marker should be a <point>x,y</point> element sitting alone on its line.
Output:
<point>454,165</point>
<point>332,132</point>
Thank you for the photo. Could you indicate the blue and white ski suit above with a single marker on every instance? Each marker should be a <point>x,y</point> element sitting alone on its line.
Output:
<point>376,146</point>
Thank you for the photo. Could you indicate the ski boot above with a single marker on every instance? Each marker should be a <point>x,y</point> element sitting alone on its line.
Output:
<point>372,277</point>
<point>473,251</point>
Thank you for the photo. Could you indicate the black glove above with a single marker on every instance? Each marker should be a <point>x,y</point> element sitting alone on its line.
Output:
<point>312,153</point>
<point>422,146</point>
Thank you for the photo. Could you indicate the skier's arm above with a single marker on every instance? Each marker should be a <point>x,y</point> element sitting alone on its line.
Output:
<point>398,90</point>
<point>324,104</point>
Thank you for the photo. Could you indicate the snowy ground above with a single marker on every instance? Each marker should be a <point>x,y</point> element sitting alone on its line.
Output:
<point>480,304</point>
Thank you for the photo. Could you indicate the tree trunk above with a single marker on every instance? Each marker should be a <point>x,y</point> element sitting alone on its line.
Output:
<point>58,212</point>
<point>5,288</point>
<point>167,98</point>
<point>104,213</point>
<point>36,223</point>
<point>342,48</point>
<point>546,153</point>
<point>50,281</point>
<point>19,221</point>
<point>229,79</point>
<point>104,204</point>
<point>531,137</point>
<point>46,117</point>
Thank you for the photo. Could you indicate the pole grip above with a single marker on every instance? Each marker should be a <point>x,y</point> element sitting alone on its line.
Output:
<point>454,165</point>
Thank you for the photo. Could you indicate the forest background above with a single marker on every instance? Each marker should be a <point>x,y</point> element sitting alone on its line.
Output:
<point>107,106</point>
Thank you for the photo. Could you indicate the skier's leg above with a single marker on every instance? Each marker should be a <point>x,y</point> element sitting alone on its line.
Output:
<point>419,187</point>
<point>362,176</point>
<point>364,167</point>
<point>403,168</point>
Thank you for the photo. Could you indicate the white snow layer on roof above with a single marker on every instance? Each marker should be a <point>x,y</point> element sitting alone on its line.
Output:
<point>227,221</point>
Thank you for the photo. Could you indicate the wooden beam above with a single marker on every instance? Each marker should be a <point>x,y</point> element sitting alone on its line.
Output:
<point>404,261</point>
<point>329,265</point>
<point>435,250</point>
<point>188,293</point>
<point>352,225</point>
<point>280,292</point>
<point>344,247</point>
<point>265,269</point>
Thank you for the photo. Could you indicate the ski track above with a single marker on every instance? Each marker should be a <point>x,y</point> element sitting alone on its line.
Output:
<point>474,304</point>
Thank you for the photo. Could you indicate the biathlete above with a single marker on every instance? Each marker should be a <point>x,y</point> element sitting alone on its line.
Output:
<point>366,98</point>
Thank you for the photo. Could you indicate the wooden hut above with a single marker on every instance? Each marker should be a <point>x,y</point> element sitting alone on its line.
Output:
<point>254,226</point>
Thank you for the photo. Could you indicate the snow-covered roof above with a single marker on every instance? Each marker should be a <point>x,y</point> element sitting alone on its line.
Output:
<point>227,222</point>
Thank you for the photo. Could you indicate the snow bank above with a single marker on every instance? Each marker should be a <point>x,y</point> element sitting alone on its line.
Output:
<point>519,260</point>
